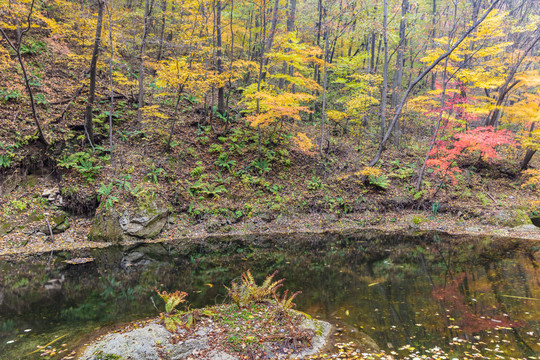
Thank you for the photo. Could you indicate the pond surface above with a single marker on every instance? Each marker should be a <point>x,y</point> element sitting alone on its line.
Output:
<point>410,294</point>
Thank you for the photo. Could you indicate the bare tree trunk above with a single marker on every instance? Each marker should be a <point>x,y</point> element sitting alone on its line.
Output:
<point>288,68</point>
<point>325,82</point>
<point>231,58</point>
<point>111,108</point>
<point>378,55</point>
<point>319,24</point>
<point>162,32</point>
<point>88,124</point>
<point>221,89</point>
<point>421,76</point>
<point>173,119</point>
<point>372,57</point>
<point>266,45</point>
<point>148,5</point>
<point>437,127</point>
<point>528,156</point>
<point>398,75</point>
<point>385,70</point>
<point>530,152</point>
<point>433,34</point>
<point>17,48</point>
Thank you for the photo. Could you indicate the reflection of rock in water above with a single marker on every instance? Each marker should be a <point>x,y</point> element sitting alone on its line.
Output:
<point>54,284</point>
<point>134,259</point>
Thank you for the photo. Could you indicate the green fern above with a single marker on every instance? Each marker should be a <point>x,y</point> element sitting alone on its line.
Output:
<point>285,303</point>
<point>247,291</point>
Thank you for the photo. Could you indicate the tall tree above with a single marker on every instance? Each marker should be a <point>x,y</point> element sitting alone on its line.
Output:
<point>385,70</point>
<point>325,83</point>
<point>88,121</point>
<point>219,53</point>
<point>16,47</point>
<point>148,7</point>
<point>400,63</point>
<point>510,83</point>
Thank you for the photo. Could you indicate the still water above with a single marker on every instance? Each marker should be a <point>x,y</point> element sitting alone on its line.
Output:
<point>412,295</point>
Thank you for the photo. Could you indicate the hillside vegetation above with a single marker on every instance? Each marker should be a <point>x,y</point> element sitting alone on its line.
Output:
<point>299,113</point>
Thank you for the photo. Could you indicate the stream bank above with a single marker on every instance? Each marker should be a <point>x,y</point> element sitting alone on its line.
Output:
<point>180,230</point>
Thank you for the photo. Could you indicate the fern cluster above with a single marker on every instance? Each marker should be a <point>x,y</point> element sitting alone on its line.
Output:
<point>247,291</point>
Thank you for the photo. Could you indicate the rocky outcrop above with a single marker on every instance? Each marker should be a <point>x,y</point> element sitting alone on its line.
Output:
<point>135,344</point>
<point>106,227</point>
<point>153,342</point>
<point>145,225</point>
<point>509,218</point>
<point>111,226</point>
<point>53,196</point>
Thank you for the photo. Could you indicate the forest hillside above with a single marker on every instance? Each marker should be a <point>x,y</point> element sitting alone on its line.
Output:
<point>246,116</point>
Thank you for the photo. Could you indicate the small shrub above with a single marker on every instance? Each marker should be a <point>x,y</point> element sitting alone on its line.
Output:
<point>285,303</point>
<point>315,183</point>
<point>10,95</point>
<point>215,148</point>
<point>104,196</point>
<point>224,162</point>
<point>33,47</point>
<point>155,173</point>
<point>262,165</point>
<point>196,172</point>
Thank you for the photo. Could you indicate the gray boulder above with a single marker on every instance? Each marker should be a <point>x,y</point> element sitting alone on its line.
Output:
<point>154,342</point>
<point>133,345</point>
<point>526,228</point>
<point>106,227</point>
<point>143,224</point>
<point>509,218</point>
<point>146,224</point>
<point>183,349</point>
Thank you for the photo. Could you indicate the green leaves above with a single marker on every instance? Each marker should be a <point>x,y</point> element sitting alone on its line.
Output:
<point>263,165</point>
<point>83,162</point>
<point>155,173</point>
<point>105,197</point>
<point>224,162</point>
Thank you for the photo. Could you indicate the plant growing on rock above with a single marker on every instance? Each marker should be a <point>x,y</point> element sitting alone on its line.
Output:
<point>247,291</point>
<point>172,318</point>
<point>285,303</point>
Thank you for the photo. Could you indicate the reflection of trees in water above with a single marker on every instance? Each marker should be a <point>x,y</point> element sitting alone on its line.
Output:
<point>495,276</point>
<point>383,284</point>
